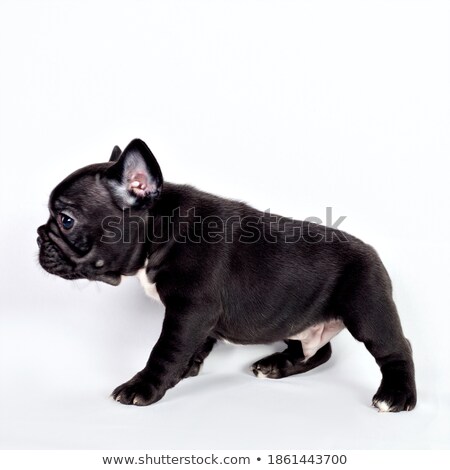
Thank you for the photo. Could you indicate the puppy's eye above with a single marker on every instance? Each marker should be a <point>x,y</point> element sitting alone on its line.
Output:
<point>66,221</point>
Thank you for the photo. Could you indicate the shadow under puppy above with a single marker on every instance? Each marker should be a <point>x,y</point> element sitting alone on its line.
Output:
<point>224,271</point>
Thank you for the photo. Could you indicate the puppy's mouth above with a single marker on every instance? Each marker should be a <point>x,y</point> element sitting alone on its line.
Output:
<point>56,257</point>
<point>54,262</point>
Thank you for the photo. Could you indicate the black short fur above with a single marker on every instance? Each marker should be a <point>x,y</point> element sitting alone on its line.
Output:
<point>247,288</point>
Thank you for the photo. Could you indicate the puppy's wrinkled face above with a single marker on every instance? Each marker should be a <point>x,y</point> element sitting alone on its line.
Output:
<point>74,242</point>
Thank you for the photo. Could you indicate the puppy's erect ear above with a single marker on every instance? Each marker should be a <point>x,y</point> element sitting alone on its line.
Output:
<point>115,154</point>
<point>136,177</point>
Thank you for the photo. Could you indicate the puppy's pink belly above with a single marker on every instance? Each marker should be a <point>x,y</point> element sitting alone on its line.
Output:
<point>316,336</point>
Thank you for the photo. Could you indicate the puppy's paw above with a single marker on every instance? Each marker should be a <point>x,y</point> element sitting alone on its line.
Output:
<point>394,400</point>
<point>193,370</point>
<point>137,391</point>
<point>272,367</point>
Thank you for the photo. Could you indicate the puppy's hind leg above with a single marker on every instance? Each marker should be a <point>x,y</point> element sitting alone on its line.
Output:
<point>290,361</point>
<point>369,313</point>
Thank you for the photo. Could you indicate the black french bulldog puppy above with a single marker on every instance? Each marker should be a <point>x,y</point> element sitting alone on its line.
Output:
<point>224,271</point>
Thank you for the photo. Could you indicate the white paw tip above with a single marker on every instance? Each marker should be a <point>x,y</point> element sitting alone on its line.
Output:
<point>260,374</point>
<point>382,406</point>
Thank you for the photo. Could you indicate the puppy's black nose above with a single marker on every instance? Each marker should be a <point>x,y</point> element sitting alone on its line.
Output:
<point>39,241</point>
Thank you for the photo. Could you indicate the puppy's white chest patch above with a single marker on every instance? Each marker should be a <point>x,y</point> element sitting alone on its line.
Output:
<point>316,336</point>
<point>149,287</point>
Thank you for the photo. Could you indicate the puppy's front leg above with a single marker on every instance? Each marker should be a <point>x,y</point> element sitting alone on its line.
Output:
<point>184,331</point>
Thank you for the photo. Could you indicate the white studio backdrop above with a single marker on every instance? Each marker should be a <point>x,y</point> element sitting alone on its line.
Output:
<point>289,105</point>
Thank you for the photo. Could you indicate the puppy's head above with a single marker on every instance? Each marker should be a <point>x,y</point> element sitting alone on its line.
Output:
<point>85,236</point>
